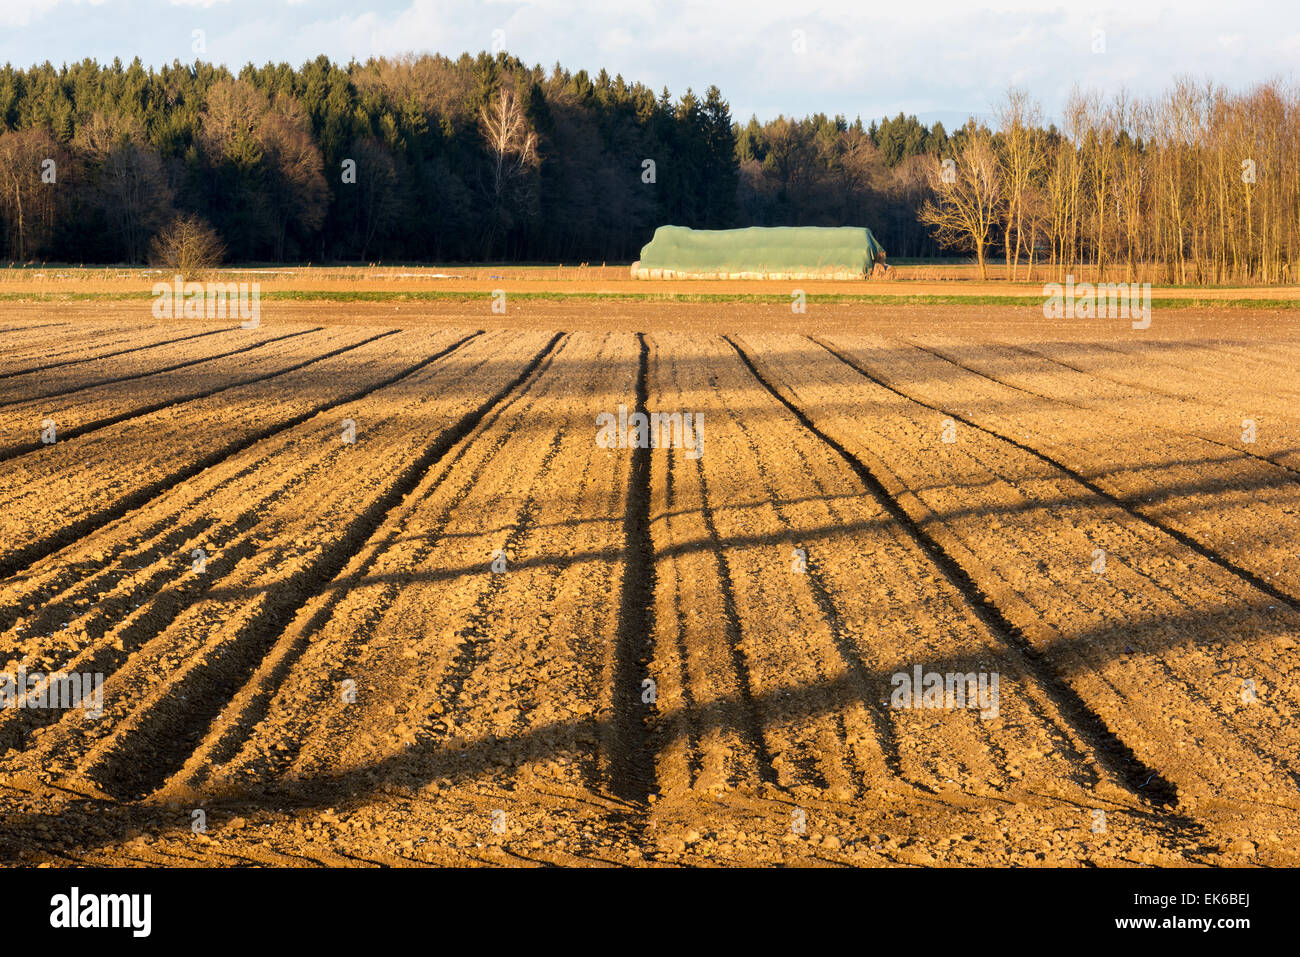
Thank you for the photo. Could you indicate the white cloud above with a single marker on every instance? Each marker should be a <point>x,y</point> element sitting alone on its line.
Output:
<point>19,13</point>
<point>941,55</point>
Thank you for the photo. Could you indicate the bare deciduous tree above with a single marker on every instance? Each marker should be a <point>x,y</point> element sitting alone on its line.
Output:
<point>1019,118</point>
<point>131,185</point>
<point>968,204</point>
<point>278,182</point>
<point>376,197</point>
<point>27,203</point>
<point>188,246</point>
<point>295,190</point>
<point>512,154</point>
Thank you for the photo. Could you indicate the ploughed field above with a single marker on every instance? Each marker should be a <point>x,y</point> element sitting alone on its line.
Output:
<point>388,594</point>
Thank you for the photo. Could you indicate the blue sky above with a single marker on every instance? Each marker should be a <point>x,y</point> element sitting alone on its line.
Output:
<point>938,58</point>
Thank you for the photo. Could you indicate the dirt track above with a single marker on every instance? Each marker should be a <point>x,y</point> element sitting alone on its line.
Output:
<point>559,281</point>
<point>677,658</point>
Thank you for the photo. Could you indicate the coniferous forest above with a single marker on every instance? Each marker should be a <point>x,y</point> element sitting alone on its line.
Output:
<point>422,159</point>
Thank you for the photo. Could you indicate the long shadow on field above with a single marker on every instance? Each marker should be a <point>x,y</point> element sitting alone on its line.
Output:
<point>659,515</point>
<point>86,823</point>
<point>1162,349</point>
<point>921,366</point>
<point>432,758</point>
<point>1201,494</point>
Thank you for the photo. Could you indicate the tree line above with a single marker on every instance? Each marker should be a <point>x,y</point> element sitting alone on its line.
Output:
<point>482,158</point>
<point>1198,185</point>
<point>420,158</point>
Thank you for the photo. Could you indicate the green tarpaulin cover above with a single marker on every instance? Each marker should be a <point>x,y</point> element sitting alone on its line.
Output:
<point>760,251</point>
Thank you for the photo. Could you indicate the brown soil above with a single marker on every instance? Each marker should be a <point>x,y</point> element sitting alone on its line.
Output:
<point>903,281</point>
<point>676,660</point>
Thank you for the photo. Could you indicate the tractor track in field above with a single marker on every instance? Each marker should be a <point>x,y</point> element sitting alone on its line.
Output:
<point>41,325</point>
<point>475,640</point>
<point>752,722</point>
<point>717,711</point>
<point>823,595</point>
<point>72,342</point>
<point>33,396</point>
<point>1127,507</point>
<point>1294,473</point>
<point>126,776</point>
<point>56,591</point>
<point>46,366</point>
<point>1144,782</point>
<point>1155,499</point>
<point>23,558</point>
<point>1163,358</point>
<point>14,450</point>
<point>694,757</point>
<point>253,702</point>
<point>461,663</point>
